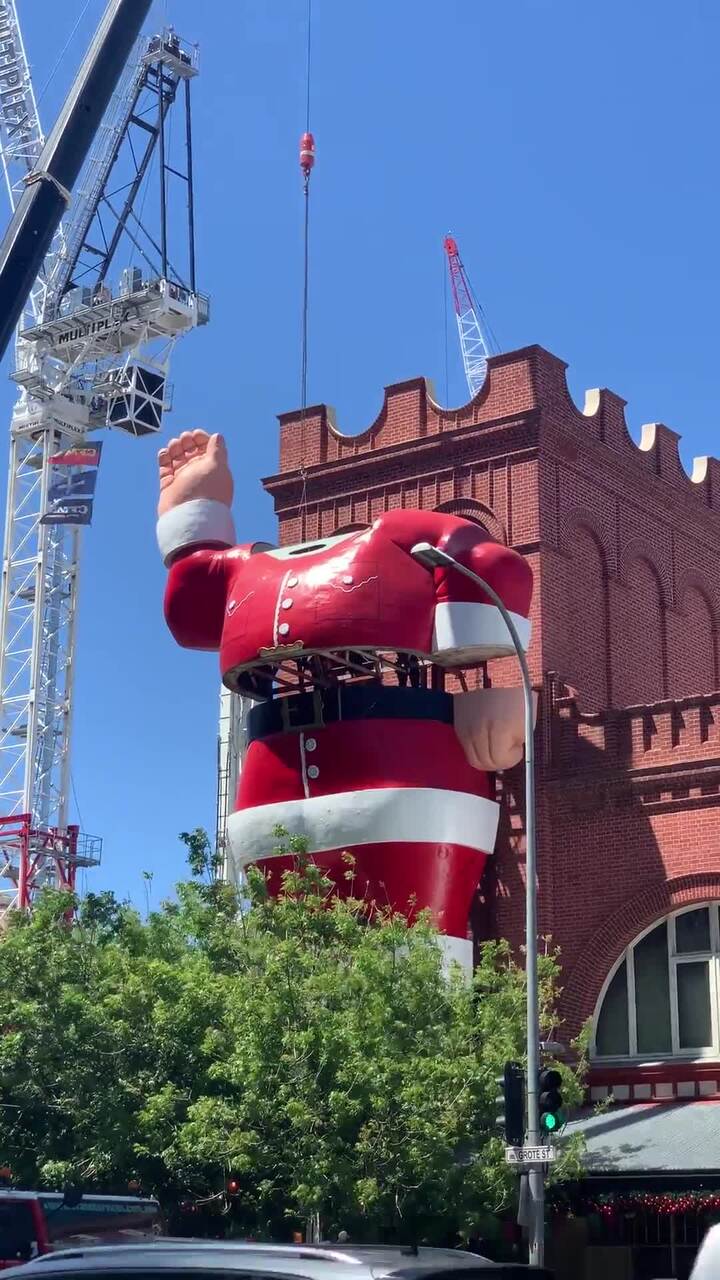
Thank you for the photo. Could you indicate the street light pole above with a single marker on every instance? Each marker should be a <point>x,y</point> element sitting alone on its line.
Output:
<point>434,558</point>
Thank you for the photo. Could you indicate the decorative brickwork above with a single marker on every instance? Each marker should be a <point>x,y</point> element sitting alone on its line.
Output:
<point>625,547</point>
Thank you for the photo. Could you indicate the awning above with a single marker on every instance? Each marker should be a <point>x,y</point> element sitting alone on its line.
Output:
<point>650,1138</point>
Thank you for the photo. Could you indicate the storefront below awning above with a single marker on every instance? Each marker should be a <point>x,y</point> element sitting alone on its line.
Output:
<point>649,1192</point>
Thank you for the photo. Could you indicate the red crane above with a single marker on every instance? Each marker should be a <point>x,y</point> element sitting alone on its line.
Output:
<point>477,340</point>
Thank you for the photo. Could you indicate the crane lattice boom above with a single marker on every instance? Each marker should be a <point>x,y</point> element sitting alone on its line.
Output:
<point>476,341</point>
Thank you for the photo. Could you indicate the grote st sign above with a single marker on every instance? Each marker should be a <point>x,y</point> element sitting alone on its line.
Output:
<point>530,1155</point>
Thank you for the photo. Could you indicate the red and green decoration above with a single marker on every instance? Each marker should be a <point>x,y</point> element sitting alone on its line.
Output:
<point>611,1205</point>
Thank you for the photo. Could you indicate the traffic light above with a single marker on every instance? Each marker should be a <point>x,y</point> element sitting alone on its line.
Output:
<point>512,1100</point>
<point>232,1186</point>
<point>549,1099</point>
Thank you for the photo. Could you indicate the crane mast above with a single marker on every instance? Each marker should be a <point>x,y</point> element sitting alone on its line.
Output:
<point>476,338</point>
<point>92,352</point>
<point>231,744</point>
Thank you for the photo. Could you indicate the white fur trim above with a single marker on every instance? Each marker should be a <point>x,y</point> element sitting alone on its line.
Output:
<point>200,522</point>
<point>453,951</point>
<point>465,633</point>
<point>456,951</point>
<point>411,815</point>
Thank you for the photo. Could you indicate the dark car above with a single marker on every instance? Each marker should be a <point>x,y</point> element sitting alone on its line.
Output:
<point>228,1260</point>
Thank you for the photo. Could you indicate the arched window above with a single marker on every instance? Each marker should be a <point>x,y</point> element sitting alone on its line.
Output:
<point>662,999</point>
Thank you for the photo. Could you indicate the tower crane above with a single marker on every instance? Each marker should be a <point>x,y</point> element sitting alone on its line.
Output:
<point>477,341</point>
<point>115,292</point>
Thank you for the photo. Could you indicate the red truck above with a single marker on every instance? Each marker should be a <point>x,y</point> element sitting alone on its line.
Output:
<point>35,1222</point>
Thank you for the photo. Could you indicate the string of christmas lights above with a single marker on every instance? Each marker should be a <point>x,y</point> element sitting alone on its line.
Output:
<point>664,1203</point>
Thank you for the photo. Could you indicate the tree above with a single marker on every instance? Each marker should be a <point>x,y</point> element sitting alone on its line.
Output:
<point>310,1047</point>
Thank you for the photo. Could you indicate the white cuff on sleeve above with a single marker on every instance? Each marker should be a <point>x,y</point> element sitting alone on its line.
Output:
<point>466,633</point>
<point>200,522</point>
<point>456,951</point>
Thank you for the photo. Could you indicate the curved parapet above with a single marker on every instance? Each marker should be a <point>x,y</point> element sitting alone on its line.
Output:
<point>706,475</point>
<point>604,412</point>
<point>661,446</point>
<point>529,381</point>
<point>658,450</point>
<point>517,383</point>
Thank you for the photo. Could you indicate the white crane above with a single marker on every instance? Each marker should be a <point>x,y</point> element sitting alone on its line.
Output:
<point>90,353</point>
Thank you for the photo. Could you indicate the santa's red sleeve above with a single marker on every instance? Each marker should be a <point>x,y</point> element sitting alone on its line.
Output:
<point>197,543</point>
<point>468,627</point>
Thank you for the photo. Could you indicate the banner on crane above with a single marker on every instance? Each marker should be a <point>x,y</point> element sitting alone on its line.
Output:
<point>70,496</point>
<point>81,484</point>
<point>78,455</point>
<point>68,511</point>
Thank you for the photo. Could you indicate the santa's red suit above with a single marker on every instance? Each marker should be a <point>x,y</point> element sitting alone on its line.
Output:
<point>378,771</point>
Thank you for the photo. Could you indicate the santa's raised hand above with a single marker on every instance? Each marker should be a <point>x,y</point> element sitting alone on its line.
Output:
<point>194,466</point>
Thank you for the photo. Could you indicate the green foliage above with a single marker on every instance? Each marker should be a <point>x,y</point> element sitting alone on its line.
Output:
<point>321,1057</point>
<point>202,860</point>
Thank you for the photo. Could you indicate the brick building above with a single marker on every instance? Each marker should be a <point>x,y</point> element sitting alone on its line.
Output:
<point>625,548</point>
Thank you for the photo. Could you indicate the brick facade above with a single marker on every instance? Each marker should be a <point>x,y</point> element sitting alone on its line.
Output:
<point>625,547</point>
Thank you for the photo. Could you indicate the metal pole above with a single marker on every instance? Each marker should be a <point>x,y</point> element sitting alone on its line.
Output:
<point>72,616</point>
<point>434,557</point>
<point>43,203</point>
<point>163,175</point>
<point>191,195</point>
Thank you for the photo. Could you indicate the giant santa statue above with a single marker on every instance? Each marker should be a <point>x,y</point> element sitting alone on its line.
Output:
<point>343,642</point>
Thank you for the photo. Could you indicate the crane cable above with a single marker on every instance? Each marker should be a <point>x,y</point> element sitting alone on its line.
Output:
<point>62,53</point>
<point>307,160</point>
<point>445,328</point>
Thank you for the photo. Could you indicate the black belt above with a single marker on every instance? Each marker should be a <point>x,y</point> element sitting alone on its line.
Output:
<point>352,702</point>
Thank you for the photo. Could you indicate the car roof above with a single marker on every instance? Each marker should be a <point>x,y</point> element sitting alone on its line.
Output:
<point>325,1262</point>
<point>313,1262</point>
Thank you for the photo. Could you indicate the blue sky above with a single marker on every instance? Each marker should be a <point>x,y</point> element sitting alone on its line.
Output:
<point>570,148</point>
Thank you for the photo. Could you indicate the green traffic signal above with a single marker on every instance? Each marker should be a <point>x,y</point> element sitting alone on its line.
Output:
<point>550,1099</point>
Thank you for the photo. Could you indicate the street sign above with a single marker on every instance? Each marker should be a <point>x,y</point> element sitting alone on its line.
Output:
<point>530,1155</point>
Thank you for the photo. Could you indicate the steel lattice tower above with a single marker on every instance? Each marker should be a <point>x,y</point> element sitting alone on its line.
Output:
<point>89,355</point>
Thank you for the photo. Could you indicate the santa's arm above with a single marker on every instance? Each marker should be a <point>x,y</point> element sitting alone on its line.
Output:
<point>490,724</point>
<point>468,626</point>
<point>195,538</point>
